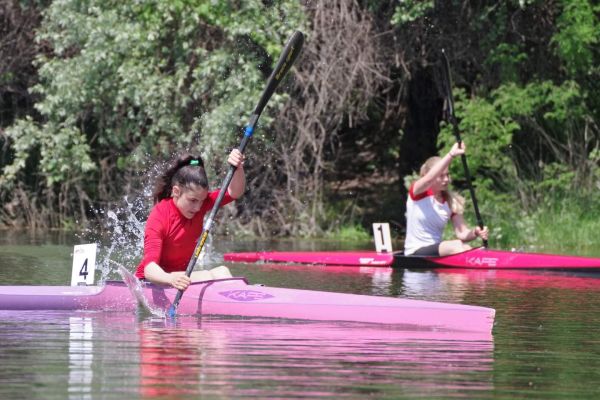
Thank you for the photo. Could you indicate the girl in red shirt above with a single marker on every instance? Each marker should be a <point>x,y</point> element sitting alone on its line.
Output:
<point>182,199</point>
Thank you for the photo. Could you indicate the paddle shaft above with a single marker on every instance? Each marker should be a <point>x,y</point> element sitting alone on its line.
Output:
<point>288,56</point>
<point>455,130</point>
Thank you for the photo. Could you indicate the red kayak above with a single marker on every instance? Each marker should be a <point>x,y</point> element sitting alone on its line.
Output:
<point>478,258</point>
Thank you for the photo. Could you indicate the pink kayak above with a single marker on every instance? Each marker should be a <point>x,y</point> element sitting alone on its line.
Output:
<point>483,258</point>
<point>364,258</point>
<point>235,297</point>
<point>479,258</point>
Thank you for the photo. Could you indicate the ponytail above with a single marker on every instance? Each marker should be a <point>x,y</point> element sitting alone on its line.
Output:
<point>186,171</point>
<point>455,201</point>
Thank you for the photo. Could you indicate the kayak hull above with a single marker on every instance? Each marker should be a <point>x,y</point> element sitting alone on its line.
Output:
<point>350,258</point>
<point>478,258</point>
<point>483,258</point>
<point>235,297</point>
<point>115,296</point>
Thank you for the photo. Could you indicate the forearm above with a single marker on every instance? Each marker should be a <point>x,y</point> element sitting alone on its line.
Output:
<point>155,274</point>
<point>467,235</point>
<point>439,167</point>
<point>436,170</point>
<point>238,183</point>
<point>461,230</point>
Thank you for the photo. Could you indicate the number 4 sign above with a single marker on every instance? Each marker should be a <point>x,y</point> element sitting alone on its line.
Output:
<point>84,264</point>
<point>383,239</point>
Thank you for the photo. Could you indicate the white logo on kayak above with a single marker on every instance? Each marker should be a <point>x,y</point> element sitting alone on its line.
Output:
<point>487,261</point>
<point>245,295</point>
<point>371,261</point>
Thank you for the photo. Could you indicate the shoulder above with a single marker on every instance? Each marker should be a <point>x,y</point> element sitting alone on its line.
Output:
<point>162,207</point>
<point>161,212</point>
<point>418,196</point>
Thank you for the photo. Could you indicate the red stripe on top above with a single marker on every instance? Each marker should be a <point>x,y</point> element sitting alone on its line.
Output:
<point>420,196</point>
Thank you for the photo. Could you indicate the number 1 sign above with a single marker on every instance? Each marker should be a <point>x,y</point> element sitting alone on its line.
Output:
<point>383,239</point>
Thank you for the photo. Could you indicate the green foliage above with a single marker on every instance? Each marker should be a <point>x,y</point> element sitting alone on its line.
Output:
<point>556,103</point>
<point>488,125</point>
<point>410,10</point>
<point>145,79</point>
<point>544,115</point>
<point>565,221</point>
<point>124,83</point>
<point>488,134</point>
<point>578,36</point>
<point>557,178</point>
<point>508,57</point>
<point>350,233</point>
<point>63,152</point>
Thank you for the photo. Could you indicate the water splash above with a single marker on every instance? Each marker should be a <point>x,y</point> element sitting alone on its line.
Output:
<point>124,239</point>
<point>136,289</point>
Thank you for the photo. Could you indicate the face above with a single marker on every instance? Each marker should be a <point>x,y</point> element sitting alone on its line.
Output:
<point>189,200</point>
<point>442,181</point>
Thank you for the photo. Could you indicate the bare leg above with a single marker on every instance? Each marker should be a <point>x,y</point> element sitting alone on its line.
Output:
<point>201,276</point>
<point>450,247</point>
<point>220,272</point>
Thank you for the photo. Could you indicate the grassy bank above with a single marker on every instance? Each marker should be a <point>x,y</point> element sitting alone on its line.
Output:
<point>559,224</point>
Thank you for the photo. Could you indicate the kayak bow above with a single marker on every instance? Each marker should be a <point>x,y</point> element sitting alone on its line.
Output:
<point>235,297</point>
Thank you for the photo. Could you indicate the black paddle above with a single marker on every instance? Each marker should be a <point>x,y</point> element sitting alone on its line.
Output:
<point>288,56</point>
<point>447,84</point>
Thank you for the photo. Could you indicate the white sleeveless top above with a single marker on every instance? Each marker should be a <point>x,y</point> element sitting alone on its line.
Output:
<point>426,219</point>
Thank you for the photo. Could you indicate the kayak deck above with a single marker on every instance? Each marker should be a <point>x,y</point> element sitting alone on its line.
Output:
<point>235,297</point>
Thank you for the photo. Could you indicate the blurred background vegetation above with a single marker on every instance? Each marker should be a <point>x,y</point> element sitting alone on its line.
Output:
<point>96,95</point>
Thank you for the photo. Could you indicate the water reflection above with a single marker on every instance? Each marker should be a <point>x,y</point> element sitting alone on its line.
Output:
<point>121,354</point>
<point>441,284</point>
<point>170,359</point>
<point>379,281</point>
<point>231,357</point>
<point>525,279</point>
<point>81,356</point>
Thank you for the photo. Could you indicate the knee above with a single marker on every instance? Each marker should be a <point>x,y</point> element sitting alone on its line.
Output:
<point>220,272</point>
<point>201,276</point>
<point>450,247</point>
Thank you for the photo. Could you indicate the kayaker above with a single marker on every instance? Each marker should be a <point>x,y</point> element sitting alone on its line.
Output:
<point>430,206</point>
<point>182,199</point>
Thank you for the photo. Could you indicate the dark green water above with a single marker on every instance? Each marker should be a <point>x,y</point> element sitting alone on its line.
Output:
<point>544,345</point>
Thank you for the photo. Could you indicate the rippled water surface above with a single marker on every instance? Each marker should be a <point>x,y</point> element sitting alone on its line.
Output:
<point>545,343</point>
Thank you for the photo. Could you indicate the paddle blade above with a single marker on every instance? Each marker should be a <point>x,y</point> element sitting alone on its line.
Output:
<point>447,88</point>
<point>135,287</point>
<point>286,60</point>
<point>172,313</point>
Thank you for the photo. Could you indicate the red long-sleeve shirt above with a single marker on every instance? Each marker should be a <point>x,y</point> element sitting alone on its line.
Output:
<point>170,238</point>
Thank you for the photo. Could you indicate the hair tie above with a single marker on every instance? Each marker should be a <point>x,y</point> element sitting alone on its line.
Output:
<point>194,162</point>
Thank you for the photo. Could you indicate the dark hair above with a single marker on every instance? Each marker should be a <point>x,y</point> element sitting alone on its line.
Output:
<point>185,171</point>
